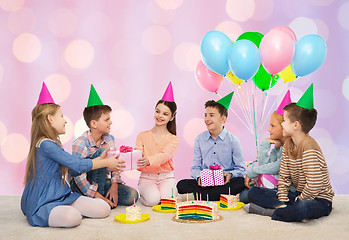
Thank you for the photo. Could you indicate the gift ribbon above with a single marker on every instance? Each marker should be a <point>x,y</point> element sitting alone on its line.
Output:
<point>125,149</point>
<point>215,167</point>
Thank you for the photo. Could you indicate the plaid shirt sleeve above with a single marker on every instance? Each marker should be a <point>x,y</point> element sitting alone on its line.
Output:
<point>88,189</point>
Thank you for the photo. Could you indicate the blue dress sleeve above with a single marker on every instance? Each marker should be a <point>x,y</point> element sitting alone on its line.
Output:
<point>51,150</point>
<point>268,163</point>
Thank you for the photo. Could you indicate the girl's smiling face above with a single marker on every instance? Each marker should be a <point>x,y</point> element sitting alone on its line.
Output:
<point>275,128</point>
<point>58,121</point>
<point>162,114</point>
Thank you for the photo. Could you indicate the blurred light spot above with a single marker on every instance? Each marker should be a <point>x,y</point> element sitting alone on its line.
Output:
<point>156,39</point>
<point>80,128</point>
<point>123,123</point>
<point>23,20</point>
<point>345,88</point>
<point>69,130</point>
<point>133,174</point>
<point>240,11</point>
<point>181,55</point>
<point>11,5</point>
<point>26,47</point>
<point>15,148</point>
<point>263,9</point>
<point>343,16</point>
<point>321,2</point>
<point>98,26</point>
<point>325,103</point>
<point>60,86</point>
<point>193,57</point>
<point>63,22</point>
<point>3,133</point>
<point>79,54</point>
<point>169,4</point>
<point>231,29</point>
<point>302,26</point>
<point>192,129</point>
<point>158,15</point>
<point>322,29</point>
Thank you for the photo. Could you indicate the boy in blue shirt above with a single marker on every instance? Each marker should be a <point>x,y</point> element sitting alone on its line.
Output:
<point>216,146</point>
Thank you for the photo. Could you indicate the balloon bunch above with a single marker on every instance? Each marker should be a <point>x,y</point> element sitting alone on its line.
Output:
<point>262,58</point>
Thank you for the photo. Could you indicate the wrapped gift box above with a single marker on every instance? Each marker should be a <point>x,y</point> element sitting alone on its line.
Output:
<point>129,155</point>
<point>267,181</point>
<point>212,176</point>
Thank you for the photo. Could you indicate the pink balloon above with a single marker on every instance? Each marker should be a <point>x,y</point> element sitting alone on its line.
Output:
<point>289,31</point>
<point>277,49</point>
<point>207,79</point>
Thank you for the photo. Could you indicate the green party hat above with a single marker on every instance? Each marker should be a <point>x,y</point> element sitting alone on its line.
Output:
<point>307,100</point>
<point>225,101</point>
<point>93,99</point>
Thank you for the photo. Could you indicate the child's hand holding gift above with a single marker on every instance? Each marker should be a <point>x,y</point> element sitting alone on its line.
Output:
<point>143,162</point>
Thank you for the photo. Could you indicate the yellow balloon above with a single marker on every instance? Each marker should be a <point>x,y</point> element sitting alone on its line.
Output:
<point>234,79</point>
<point>287,74</point>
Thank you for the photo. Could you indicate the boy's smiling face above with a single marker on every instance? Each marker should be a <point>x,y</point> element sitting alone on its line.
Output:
<point>214,120</point>
<point>103,124</point>
<point>287,125</point>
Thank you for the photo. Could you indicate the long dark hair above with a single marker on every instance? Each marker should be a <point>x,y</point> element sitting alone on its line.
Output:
<point>171,125</point>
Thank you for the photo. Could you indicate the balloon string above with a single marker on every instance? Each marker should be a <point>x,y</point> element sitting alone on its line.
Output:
<point>247,107</point>
<point>237,116</point>
<point>243,108</point>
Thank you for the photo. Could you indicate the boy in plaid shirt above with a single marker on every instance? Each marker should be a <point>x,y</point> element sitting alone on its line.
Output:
<point>97,183</point>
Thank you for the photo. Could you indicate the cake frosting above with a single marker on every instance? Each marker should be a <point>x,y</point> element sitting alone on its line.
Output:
<point>133,213</point>
<point>197,209</point>
<point>228,201</point>
<point>168,203</point>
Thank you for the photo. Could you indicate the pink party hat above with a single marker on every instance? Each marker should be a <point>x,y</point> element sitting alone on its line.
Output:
<point>45,96</point>
<point>168,95</point>
<point>284,102</point>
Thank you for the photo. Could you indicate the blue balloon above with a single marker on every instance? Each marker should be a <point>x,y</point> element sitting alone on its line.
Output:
<point>310,54</point>
<point>214,49</point>
<point>244,59</point>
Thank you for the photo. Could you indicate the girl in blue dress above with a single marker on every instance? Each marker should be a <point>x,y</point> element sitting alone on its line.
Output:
<point>47,199</point>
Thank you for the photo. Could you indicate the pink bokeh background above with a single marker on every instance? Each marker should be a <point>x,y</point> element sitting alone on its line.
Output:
<point>130,50</point>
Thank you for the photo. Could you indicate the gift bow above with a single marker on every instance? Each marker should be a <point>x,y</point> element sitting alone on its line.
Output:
<point>125,149</point>
<point>215,167</point>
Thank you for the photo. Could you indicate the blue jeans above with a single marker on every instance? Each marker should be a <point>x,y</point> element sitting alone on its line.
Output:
<point>126,194</point>
<point>244,196</point>
<point>294,211</point>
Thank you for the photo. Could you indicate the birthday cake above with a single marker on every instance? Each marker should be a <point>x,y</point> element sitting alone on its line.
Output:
<point>168,203</point>
<point>197,209</point>
<point>228,201</point>
<point>133,213</point>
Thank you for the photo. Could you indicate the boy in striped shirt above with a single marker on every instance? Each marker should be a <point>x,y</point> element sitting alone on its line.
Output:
<point>302,165</point>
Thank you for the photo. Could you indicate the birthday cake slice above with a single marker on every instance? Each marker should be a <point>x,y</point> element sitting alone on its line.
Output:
<point>133,213</point>
<point>197,209</point>
<point>228,201</point>
<point>168,203</point>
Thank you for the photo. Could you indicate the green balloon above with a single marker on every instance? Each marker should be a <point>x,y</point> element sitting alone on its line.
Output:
<point>263,79</point>
<point>251,36</point>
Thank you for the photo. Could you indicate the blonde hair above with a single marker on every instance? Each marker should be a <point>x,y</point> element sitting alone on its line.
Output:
<point>278,117</point>
<point>40,129</point>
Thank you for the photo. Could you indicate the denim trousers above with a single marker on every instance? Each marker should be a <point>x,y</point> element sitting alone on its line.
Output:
<point>295,211</point>
<point>126,194</point>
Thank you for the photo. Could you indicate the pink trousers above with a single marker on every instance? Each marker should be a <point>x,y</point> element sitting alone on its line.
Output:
<point>154,186</point>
